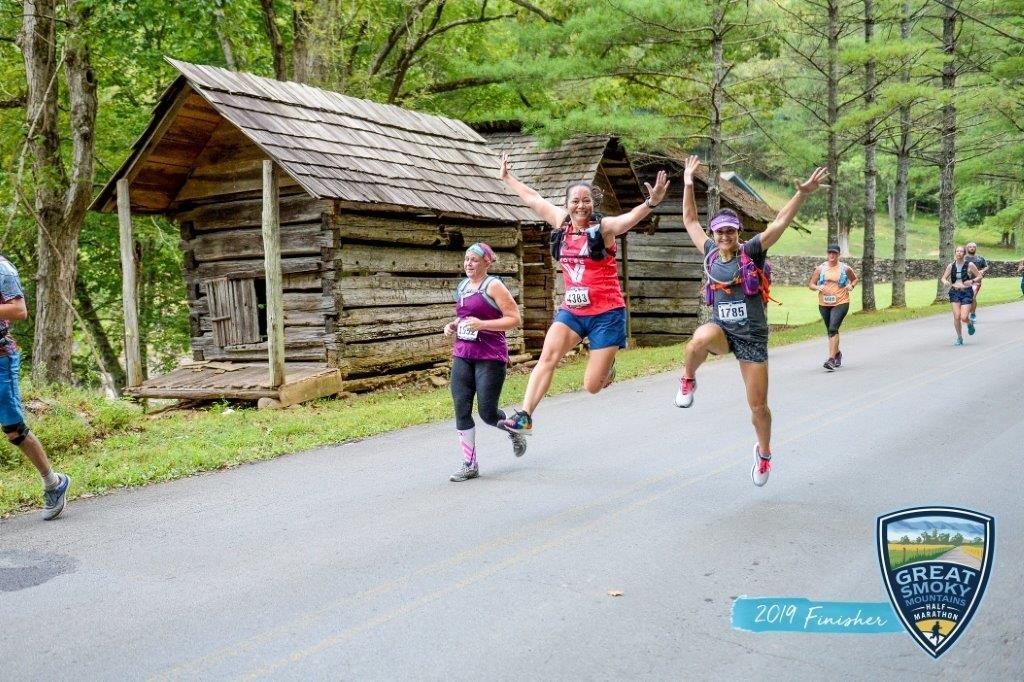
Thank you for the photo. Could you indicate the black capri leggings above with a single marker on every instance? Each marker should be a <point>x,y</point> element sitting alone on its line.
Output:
<point>483,378</point>
<point>833,316</point>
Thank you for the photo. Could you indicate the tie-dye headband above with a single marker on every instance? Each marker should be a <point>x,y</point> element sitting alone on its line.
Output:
<point>482,250</point>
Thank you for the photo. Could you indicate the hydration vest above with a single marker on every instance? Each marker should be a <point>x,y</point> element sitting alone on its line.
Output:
<point>460,290</point>
<point>843,279</point>
<point>961,274</point>
<point>595,240</point>
<point>754,279</point>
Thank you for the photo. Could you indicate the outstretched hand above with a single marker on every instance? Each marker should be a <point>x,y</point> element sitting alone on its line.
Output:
<point>660,189</point>
<point>692,164</point>
<point>814,182</point>
<point>503,171</point>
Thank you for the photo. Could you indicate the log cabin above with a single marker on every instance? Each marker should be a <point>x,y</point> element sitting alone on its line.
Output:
<point>322,235</point>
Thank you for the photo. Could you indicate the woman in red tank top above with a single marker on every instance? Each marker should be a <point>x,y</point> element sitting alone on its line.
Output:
<point>593,307</point>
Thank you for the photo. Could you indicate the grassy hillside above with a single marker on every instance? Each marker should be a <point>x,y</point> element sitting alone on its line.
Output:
<point>800,304</point>
<point>922,233</point>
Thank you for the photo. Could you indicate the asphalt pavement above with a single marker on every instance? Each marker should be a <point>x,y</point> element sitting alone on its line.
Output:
<point>361,561</point>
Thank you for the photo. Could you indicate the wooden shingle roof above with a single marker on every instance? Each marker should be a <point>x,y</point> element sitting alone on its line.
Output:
<point>549,171</point>
<point>732,196</point>
<point>354,150</point>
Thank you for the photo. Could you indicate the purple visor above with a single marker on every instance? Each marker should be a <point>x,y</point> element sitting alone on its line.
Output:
<point>725,221</point>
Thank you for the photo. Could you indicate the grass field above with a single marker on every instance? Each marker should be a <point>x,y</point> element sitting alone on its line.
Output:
<point>800,304</point>
<point>974,550</point>
<point>900,554</point>
<point>922,233</point>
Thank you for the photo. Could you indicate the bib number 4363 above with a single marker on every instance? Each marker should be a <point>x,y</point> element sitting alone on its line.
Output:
<point>577,297</point>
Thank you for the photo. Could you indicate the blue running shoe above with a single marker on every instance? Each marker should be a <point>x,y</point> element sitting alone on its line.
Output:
<point>54,499</point>
<point>959,341</point>
<point>970,328</point>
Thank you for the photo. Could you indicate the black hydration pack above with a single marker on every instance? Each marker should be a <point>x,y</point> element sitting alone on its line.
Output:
<point>595,240</point>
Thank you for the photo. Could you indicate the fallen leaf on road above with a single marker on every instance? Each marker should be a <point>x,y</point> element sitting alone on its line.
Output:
<point>614,593</point>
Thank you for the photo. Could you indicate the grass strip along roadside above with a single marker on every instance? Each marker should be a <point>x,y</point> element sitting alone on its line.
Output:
<point>104,445</point>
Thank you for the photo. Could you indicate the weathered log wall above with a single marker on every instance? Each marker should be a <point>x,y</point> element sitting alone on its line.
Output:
<point>394,279</point>
<point>539,278</point>
<point>224,239</point>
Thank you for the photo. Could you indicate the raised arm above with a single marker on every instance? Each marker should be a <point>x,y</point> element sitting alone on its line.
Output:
<point>553,215</point>
<point>788,212</point>
<point>617,225</point>
<point>691,220</point>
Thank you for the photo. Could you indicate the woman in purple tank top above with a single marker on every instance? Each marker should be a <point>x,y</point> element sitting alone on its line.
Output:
<point>484,311</point>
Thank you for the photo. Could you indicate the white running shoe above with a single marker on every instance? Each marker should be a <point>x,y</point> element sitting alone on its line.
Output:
<point>684,396</point>
<point>762,467</point>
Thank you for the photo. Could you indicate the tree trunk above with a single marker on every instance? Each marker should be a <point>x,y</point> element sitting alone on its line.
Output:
<point>715,132</point>
<point>60,201</point>
<point>226,47</point>
<point>312,23</point>
<point>870,170</point>
<point>110,365</point>
<point>843,238</point>
<point>832,162</point>
<point>276,43</point>
<point>947,188</point>
<point>899,251</point>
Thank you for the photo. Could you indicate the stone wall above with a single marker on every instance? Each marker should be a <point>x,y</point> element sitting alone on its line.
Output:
<point>797,269</point>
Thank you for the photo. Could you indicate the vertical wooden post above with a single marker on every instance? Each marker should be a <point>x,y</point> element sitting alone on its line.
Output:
<point>272,266</point>
<point>625,288</point>
<point>129,288</point>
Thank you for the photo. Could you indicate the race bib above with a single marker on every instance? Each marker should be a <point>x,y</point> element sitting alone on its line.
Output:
<point>732,311</point>
<point>464,333</point>
<point>577,297</point>
<point>829,299</point>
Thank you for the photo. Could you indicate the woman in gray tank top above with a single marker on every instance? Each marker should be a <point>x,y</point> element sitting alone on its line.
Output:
<point>738,322</point>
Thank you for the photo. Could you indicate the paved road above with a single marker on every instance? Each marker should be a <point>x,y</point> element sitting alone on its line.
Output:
<point>960,556</point>
<point>362,562</point>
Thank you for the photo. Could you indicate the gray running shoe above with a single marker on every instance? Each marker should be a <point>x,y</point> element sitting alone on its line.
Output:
<point>839,359</point>
<point>518,444</point>
<point>830,364</point>
<point>465,473</point>
<point>54,499</point>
